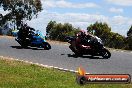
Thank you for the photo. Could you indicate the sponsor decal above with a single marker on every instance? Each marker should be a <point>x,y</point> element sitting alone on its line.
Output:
<point>83,78</point>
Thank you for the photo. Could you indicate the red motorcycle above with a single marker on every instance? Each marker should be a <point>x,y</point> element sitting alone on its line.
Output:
<point>89,46</point>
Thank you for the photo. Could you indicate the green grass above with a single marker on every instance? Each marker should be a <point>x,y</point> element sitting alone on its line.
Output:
<point>16,74</point>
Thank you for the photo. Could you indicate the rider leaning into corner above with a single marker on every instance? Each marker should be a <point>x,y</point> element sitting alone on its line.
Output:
<point>84,40</point>
<point>80,39</point>
<point>25,31</point>
<point>86,43</point>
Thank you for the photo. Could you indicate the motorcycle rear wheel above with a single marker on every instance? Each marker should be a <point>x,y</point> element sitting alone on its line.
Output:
<point>75,51</point>
<point>23,44</point>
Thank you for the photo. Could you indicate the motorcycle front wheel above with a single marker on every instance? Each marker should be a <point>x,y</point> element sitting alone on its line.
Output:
<point>46,45</point>
<point>105,53</point>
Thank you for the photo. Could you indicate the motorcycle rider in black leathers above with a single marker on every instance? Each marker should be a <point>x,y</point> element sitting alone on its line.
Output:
<point>25,32</point>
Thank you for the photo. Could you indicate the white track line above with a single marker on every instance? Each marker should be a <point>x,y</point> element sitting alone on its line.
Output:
<point>46,66</point>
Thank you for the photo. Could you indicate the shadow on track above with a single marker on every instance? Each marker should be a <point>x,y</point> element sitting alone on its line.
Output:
<point>33,48</point>
<point>17,47</point>
<point>86,56</point>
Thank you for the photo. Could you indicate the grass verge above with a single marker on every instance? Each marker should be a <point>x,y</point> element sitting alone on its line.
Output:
<point>17,74</point>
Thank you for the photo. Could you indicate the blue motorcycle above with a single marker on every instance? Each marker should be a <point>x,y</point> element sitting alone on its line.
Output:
<point>32,39</point>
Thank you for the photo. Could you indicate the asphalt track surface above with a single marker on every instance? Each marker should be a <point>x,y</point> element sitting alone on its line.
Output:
<point>61,56</point>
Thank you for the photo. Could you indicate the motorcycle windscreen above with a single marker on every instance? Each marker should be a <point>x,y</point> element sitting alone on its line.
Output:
<point>41,35</point>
